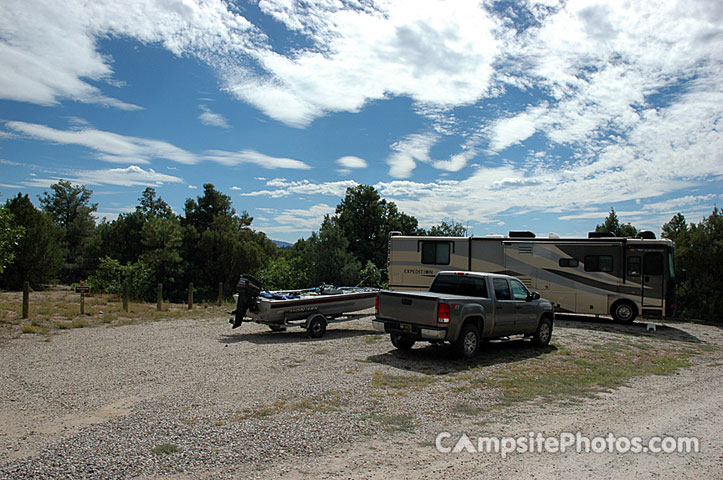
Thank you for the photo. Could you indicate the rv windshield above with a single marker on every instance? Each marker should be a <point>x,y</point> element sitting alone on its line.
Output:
<point>671,265</point>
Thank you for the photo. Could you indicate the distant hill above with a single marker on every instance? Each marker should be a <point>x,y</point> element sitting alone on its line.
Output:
<point>281,244</point>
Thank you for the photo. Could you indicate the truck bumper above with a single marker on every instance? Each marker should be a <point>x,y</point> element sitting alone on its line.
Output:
<point>418,332</point>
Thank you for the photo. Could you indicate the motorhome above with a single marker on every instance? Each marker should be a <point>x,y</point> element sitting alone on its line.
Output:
<point>600,274</point>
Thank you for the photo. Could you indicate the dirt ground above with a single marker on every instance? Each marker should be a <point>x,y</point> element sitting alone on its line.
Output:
<point>192,399</point>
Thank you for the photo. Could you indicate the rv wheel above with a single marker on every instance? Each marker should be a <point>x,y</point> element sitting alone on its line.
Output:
<point>316,326</point>
<point>623,312</point>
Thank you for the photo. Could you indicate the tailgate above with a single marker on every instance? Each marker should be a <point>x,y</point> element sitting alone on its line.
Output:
<point>408,308</point>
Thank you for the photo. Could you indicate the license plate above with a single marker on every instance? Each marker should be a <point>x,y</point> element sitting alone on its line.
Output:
<point>405,327</point>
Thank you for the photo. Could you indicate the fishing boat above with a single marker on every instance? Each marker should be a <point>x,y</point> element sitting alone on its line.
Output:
<point>311,308</point>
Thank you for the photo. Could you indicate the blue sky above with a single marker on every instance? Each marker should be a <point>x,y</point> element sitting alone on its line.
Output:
<point>528,115</point>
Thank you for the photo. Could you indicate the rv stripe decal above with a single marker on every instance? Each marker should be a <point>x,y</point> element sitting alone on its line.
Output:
<point>633,291</point>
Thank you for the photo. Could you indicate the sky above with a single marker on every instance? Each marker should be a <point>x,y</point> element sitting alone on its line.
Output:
<point>524,115</point>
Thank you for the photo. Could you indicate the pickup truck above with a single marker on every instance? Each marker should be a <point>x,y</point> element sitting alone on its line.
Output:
<point>464,308</point>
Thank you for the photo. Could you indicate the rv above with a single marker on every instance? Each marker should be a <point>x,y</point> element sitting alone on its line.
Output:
<point>602,275</point>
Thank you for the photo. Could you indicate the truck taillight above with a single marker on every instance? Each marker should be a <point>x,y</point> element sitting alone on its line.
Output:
<point>443,313</point>
<point>376,305</point>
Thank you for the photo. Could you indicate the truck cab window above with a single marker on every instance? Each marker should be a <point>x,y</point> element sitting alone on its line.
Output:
<point>473,287</point>
<point>502,289</point>
<point>519,291</point>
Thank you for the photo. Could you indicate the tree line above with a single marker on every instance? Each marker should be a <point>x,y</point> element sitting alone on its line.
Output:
<point>210,243</point>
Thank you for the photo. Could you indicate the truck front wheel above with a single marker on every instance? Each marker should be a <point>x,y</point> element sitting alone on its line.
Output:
<point>467,344</point>
<point>401,342</point>
<point>543,334</point>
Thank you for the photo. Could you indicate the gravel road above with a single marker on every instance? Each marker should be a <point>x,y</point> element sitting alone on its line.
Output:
<point>192,399</point>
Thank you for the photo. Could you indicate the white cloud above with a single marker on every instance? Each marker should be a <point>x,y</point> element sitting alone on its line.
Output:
<point>285,188</point>
<point>212,119</point>
<point>352,162</point>
<point>251,156</point>
<point>127,177</point>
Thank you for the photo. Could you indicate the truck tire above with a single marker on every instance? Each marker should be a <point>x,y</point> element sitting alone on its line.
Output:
<point>401,342</point>
<point>316,327</point>
<point>467,344</point>
<point>543,334</point>
<point>623,311</point>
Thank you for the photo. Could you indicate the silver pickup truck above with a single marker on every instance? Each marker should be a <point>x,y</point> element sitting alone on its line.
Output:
<point>464,308</point>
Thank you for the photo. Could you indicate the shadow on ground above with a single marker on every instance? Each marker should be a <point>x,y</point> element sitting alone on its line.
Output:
<point>293,335</point>
<point>666,331</point>
<point>441,360</point>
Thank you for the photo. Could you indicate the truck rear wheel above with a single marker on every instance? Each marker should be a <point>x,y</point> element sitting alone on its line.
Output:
<point>401,342</point>
<point>467,344</point>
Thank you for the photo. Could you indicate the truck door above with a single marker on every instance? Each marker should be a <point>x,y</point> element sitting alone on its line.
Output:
<point>504,307</point>
<point>525,311</point>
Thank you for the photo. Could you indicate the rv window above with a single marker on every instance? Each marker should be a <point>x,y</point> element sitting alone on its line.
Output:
<point>634,266</point>
<point>435,253</point>
<point>473,287</point>
<point>598,263</point>
<point>519,292</point>
<point>568,262</point>
<point>502,290</point>
<point>653,264</point>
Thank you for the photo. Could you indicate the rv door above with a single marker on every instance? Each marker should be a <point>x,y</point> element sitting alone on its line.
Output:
<point>645,270</point>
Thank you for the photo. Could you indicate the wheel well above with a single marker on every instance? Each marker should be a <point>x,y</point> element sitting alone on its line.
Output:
<point>548,315</point>
<point>477,321</point>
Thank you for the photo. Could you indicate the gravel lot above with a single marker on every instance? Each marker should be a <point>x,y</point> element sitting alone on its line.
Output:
<point>193,399</point>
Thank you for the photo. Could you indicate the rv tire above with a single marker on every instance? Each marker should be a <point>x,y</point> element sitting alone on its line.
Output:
<point>623,311</point>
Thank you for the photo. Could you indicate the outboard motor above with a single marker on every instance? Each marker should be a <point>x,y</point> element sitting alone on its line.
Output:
<point>248,288</point>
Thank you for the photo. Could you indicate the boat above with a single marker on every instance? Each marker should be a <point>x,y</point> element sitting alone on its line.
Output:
<point>311,308</point>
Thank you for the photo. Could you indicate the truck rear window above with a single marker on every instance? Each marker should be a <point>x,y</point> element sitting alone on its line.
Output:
<point>466,285</point>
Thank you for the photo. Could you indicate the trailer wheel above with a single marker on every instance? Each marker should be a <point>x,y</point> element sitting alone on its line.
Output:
<point>401,342</point>
<point>623,311</point>
<point>316,327</point>
<point>468,342</point>
<point>543,334</point>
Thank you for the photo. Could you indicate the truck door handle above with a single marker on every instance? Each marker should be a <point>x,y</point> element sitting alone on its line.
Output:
<point>406,301</point>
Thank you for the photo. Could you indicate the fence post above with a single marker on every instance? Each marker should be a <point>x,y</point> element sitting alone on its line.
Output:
<point>160,297</point>
<point>220,293</point>
<point>26,299</point>
<point>125,295</point>
<point>190,295</point>
<point>82,303</point>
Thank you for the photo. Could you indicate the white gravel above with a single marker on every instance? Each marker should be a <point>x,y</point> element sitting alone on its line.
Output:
<point>95,402</point>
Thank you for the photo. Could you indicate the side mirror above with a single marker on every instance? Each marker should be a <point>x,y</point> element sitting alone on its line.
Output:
<point>533,296</point>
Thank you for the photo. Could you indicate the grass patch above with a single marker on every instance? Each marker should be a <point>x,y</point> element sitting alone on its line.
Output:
<point>372,339</point>
<point>165,449</point>
<point>388,380</point>
<point>575,373</point>
<point>463,408</point>
<point>396,423</point>
<point>59,309</point>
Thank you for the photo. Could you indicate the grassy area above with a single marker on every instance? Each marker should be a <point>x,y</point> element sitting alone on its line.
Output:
<point>59,309</point>
<point>577,370</point>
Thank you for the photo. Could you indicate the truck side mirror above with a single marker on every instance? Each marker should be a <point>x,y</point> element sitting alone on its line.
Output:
<point>533,296</point>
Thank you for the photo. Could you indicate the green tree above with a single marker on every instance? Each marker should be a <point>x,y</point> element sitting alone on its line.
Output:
<point>70,208</point>
<point>151,207</point>
<point>219,245</point>
<point>39,253</point>
<point>162,238</point>
<point>366,220</point>
<point>10,236</point>
<point>699,251</point>
<point>612,225</point>
<point>445,229</point>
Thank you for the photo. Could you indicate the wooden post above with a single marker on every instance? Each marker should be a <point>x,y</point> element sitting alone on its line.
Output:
<point>160,297</point>
<point>82,303</point>
<point>125,295</point>
<point>190,296</point>
<point>26,299</point>
<point>220,293</point>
